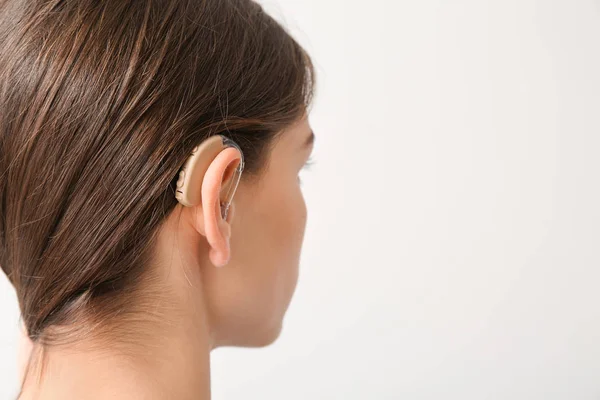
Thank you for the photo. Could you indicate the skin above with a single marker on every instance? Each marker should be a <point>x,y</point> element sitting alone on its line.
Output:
<point>228,283</point>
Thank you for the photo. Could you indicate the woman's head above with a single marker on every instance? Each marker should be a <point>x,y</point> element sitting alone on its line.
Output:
<point>102,103</point>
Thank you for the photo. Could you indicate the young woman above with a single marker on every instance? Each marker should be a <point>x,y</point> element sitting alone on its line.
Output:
<point>113,115</point>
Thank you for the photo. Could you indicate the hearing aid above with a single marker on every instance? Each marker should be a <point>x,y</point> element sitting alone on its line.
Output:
<point>189,183</point>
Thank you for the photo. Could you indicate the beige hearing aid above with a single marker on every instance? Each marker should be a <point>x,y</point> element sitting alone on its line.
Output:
<point>189,184</point>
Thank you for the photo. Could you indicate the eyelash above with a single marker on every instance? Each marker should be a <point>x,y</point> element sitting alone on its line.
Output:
<point>306,166</point>
<point>308,163</point>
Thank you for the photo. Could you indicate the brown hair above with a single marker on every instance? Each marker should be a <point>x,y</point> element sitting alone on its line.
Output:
<point>101,102</point>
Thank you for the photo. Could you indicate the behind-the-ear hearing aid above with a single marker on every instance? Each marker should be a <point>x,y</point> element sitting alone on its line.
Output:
<point>188,191</point>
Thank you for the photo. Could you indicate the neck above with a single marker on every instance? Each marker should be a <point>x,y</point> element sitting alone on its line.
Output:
<point>171,362</point>
<point>162,352</point>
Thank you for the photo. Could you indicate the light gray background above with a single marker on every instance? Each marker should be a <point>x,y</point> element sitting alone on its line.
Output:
<point>452,247</point>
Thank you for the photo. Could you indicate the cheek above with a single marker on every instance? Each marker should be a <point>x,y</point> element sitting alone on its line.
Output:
<point>268,230</point>
<point>281,216</point>
<point>291,228</point>
<point>290,222</point>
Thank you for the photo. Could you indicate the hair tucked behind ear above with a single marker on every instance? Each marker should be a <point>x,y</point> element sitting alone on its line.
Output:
<point>101,102</point>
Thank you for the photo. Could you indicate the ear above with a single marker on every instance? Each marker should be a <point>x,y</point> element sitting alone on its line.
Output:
<point>216,229</point>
